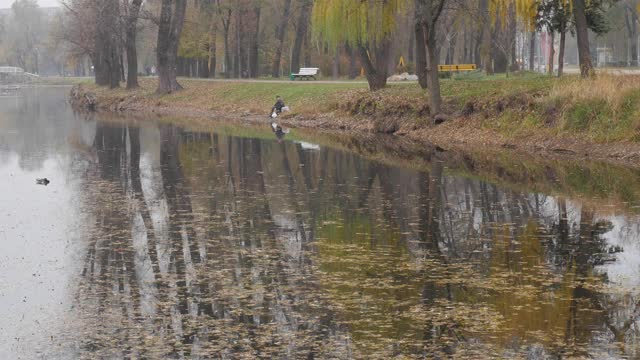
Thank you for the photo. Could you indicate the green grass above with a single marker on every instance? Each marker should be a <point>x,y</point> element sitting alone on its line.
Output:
<point>583,115</point>
<point>258,97</point>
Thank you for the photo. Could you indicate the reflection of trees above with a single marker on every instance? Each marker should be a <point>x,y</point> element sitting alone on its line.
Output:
<point>505,235</point>
<point>221,246</point>
<point>230,285</point>
<point>617,317</point>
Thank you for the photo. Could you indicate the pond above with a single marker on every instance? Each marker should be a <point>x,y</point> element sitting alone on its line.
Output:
<point>157,240</point>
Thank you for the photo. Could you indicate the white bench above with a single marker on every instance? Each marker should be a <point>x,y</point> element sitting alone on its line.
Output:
<point>306,74</point>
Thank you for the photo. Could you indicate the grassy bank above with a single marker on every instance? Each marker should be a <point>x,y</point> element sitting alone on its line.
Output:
<point>528,112</point>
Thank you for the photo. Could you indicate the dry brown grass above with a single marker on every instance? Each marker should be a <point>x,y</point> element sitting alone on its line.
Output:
<point>609,88</point>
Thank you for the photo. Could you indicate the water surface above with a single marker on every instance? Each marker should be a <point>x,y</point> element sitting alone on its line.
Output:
<point>159,241</point>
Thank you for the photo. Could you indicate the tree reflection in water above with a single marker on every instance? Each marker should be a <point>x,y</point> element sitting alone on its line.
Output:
<point>214,246</point>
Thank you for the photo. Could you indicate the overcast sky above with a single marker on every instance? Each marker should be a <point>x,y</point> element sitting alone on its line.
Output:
<point>7,3</point>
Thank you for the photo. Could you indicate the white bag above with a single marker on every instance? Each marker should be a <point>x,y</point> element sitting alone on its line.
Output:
<point>286,109</point>
<point>274,115</point>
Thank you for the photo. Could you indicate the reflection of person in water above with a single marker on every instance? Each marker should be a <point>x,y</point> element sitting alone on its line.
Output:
<point>279,131</point>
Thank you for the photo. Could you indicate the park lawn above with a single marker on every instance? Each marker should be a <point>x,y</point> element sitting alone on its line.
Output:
<point>313,97</point>
<point>240,97</point>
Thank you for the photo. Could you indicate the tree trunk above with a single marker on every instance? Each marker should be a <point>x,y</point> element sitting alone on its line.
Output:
<point>486,46</point>
<point>631,22</point>
<point>236,54</point>
<point>512,36</point>
<point>354,70</point>
<point>301,33</point>
<point>582,31</point>
<point>253,57</point>
<point>308,46</point>
<point>100,66</point>
<point>212,63</point>
<point>532,51</point>
<point>465,45</point>
<point>432,74</point>
<point>226,24</point>
<point>427,14</point>
<point>563,39</point>
<point>172,16</point>
<point>132,52</point>
<point>477,54</point>
<point>282,29</point>
<point>421,56</point>
<point>242,51</point>
<point>115,59</point>
<point>335,74</point>
<point>121,64</point>
<point>203,67</point>
<point>552,53</point>
<point>106,58</point>
<point>376,72</point>
<point>451,50</point>
<point>412,45</point>
<point>132,61</point>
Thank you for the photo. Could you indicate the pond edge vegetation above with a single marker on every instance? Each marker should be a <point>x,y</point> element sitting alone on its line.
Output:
<point>596,118</point>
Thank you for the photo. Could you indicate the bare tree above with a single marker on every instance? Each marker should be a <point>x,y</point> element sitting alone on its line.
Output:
<point>107,48</point>
<point>255,43</point>
<point>421,52</point>
<point>301,32</point>
<point>172,14</point>
<point>23,34</point>
<point>225,11</point>
<point>280,33</point>
<point>582,31</point>
<point>631,23</point>
<point>427,14</point>
<point>132,12</point>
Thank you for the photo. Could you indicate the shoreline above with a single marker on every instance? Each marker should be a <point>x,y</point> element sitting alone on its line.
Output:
<point>460,132</point>
<point>589,181</point>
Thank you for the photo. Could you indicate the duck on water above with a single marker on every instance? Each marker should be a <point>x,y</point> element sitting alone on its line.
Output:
<point>43,181</point>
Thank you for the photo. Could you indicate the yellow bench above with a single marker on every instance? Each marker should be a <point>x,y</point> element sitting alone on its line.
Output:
<point>456,68</point>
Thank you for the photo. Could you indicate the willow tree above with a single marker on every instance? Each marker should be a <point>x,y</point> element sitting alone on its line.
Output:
<point>366,25</point>
<point>505,16</point>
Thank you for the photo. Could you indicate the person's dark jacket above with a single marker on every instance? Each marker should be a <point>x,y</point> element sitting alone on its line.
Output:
<point>278,106</point>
